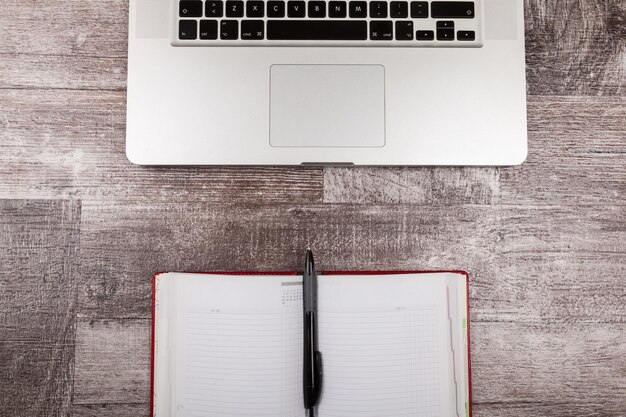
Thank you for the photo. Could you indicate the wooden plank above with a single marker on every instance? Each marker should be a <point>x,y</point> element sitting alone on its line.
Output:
<point>38,248</point>
<point>549,369</point>
<point>123,245</point>
<point>521,259</point>
<point>557,264</point>
<point>438,186</point>
<point>64,45</point>
<point>577,151</point>
<point>77,139</point>
<point>575,47</point>
<point>111,410</point>
<point>112,363</point>
<point>556,287</point>
<point>74,72</point>
<point>89,28</point>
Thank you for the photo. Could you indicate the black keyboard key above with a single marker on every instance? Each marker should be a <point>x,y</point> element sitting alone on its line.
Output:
<point>252,29</point>
<point>275,9</point>
<point>452,9</point>
<point>296,9</point>
<point>317,30</point>
<point>445,24</point>
<point>358,9</point>
<point>214,9</point>
<point>187,29</point>
<point>317,8</point>
<point>404,30</point>
<point>208,29</point>
<point>378,9</point>
<point>381,30</point>
<point>190,9</point>
<point>234,8</point>
<point>445,34</point>
<point>229,29</point>
<point>255,8</point>
<point>425,35</point>
<point>466,35</point>
<point>399,9</point>
<point>419,9</point>
<point>337,9</point>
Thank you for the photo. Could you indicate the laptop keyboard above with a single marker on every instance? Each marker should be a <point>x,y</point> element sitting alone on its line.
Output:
<point>326,23</point>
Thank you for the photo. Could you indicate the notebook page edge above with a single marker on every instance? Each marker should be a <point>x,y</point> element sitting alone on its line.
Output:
<point>459,331</point>
<point>160,395</point>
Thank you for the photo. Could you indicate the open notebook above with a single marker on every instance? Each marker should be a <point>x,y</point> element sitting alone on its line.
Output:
<point>230,345</point>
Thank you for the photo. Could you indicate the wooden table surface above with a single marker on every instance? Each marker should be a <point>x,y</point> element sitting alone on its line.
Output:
<point>82,230</point>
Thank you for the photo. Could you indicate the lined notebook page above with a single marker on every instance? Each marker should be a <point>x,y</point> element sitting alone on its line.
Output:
<point>391,346</point>
<point>239,346</point>
<point>384,345</point>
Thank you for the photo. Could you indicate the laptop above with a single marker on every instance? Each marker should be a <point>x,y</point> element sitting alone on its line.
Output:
<point>294,82</point>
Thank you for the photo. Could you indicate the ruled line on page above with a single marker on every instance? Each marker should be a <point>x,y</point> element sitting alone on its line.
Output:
<point>380,364</point>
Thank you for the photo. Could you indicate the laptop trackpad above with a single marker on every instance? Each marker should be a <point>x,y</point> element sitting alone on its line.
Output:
<point>327,105</point>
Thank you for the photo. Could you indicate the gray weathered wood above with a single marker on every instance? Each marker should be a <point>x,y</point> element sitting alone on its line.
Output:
<point>72,72</point>
<point>549,369</point>
<point>438,186</point>
<point>38,248</point>
<point>112,368</point>
<point>111,410</point>
<point>577,153</point>
<point>112,362</point>
<point>77,139</point>
<point>96,28</point>
<point>520,259</point>
<point>544,243</point>
<point>576,47</point>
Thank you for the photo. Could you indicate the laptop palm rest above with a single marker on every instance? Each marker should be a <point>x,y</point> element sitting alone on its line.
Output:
<point>327,106</point>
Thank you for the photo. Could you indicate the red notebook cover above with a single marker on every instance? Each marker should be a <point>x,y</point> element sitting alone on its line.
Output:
<point>152,331</point>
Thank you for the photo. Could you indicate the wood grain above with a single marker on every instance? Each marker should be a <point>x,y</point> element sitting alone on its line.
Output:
<point>577,153</point>
<point>38,248</point>
<point>576,47</point>
<point>438,186</point>
<point>26,71</point>
<point>123,245</point>
<point>95,28</point>
<point>77,139</point>
<point>553,287</point>
<point>521,259</point>
<point>112,362</point>
<point>111,410</point>
<point>571,369</point>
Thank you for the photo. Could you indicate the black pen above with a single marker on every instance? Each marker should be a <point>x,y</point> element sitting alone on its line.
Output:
<point>312,370</point>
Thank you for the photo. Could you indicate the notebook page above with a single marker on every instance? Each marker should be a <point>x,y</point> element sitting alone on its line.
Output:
<point>239,346</point>
<point>385,346</point>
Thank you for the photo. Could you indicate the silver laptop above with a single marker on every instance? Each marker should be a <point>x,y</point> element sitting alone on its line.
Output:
<point>295,82</point>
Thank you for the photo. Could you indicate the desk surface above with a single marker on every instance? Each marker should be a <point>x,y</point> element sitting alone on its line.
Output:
<point>82,230</point>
